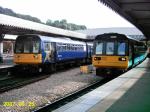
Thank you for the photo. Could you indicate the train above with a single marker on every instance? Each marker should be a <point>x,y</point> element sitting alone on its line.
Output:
<point>113,52</point>
<point>148,44</point>
<point>35,52</point>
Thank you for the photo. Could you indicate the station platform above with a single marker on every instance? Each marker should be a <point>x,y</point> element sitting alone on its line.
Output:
<point>6,63</point>
<point>129,92</point>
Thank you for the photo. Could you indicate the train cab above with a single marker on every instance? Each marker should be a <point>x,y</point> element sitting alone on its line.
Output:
<point>110,52</point>
<point>28,50</point>
<point>114,52</point>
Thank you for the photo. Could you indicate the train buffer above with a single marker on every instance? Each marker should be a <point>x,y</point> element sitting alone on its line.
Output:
<point>85,69</point>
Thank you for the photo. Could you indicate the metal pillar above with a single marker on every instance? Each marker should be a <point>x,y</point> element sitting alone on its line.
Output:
<point>1,47</point>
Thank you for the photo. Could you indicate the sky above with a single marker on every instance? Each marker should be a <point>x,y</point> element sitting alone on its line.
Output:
<point>90,13</point>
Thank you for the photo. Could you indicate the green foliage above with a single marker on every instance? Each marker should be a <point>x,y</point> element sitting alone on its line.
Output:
<point>9,12</point>
<point>59,24</point>
<point>64,25</point>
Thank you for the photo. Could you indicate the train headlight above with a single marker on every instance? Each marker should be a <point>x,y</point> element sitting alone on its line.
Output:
<point>122,59</point>
<point>97,58</point>
<point>35,56</point>
<point>17,56</point>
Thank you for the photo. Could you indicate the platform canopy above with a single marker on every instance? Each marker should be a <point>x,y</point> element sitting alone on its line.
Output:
<point>135,11</point>
<point>17,26</point>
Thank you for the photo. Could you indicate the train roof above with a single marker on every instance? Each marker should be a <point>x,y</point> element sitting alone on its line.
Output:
<point>113,35</point>
<point>90,43</point>
<point>55,39</point>
<point>61,40</point>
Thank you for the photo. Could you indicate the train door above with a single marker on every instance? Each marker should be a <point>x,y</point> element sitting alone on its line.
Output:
<point>131,55</point>
<point>49,52</point>
<point>53,51</point>
<point>89,51</point>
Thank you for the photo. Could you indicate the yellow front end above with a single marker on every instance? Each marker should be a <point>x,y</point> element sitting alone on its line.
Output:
<point>27,58</point>
<point>119,62</point>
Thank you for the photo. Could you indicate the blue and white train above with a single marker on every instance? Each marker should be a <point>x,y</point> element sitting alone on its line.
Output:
<point>44,53</point>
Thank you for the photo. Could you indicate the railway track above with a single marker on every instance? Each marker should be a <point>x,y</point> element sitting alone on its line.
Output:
<point>11,82</point>
<point>72,96</point>
<point>8,82</point>
<point>15,82</point>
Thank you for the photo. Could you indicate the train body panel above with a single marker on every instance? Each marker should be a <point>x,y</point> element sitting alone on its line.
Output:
<point>111,62</point>
<point>69,55</point>
<point>28,58</point>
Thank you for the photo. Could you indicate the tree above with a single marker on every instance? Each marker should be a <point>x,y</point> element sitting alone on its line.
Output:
<point>10,12</point>
<point>49,22</point>
<point>64,25</point>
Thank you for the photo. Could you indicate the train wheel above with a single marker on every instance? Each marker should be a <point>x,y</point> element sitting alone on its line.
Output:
<point>40,70</point>
<point>15,70</point>
<point>53,67</point>
<point>46,69</point>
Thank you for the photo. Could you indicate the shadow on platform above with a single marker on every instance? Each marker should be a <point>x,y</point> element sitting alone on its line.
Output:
<point>137,98</point>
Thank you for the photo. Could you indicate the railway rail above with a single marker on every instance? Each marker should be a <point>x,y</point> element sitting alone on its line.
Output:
<point>10,82</point>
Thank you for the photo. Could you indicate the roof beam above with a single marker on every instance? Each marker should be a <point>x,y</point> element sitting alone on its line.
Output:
<point>116,6</point>
<point>135,11</point>
<point>133,1</point>
<point>136,6</point>
<point>144,21</point>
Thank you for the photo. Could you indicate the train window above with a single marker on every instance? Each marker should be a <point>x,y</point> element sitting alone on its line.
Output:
<point>99,48</point>
<point>67,47</point>
<point>121,48</point>
<point>110,48</point>
<point>64,47</point>
<point>47,46</point>
<point>73,48</point>
<point>78,48</point>
<point>70,47</point>
<point>26,46</point>
<point>36,47</point>
<point>81,47</point>
<point>58,47</point>
<point>19,47</point>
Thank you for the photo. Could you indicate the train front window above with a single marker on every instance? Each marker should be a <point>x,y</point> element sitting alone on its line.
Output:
<point>26,47</point>
<point>110,48</point>
<point>121,48</point>
<point>19,47</point>
<point>99,48</point>
<point>36,47</point>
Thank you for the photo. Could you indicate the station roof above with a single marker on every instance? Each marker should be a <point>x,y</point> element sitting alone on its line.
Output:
<point>135,11</point>
<point>129,31</point>
<point>17,26</point>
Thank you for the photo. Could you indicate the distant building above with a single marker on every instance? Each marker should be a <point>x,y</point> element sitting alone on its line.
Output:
<point>130,31</point>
